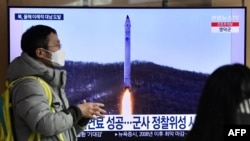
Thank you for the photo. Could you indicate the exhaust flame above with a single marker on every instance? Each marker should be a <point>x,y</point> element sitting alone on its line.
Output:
<point>126,107</point>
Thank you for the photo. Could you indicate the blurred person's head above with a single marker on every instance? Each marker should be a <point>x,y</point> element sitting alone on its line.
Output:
<point>224,101</point>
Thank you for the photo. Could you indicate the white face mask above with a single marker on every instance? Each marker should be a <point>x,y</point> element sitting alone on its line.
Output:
<point>57,58</point>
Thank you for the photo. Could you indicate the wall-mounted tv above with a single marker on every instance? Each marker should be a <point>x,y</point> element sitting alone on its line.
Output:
<point>147,65</point>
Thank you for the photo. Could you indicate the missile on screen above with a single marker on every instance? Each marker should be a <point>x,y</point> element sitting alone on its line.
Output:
<point>127,65</point>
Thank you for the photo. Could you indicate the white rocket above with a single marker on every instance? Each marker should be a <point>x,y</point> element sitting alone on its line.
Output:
<point>127,66</point>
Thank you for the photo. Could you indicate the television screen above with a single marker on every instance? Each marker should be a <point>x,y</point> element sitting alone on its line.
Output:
<point>147,65</point>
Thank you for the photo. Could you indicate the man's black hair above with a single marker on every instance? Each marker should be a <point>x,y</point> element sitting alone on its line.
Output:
<point>36,37</point>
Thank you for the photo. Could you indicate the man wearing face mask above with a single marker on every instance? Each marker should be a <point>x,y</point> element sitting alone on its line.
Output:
<point>42,56</point>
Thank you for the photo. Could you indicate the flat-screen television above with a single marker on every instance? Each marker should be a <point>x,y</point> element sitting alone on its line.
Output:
<point>147,65</point>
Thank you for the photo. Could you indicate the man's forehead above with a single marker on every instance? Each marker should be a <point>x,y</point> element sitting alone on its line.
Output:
<point>53,38</point>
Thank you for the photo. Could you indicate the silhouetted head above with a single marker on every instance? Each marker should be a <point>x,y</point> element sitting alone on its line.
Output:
<point>224,101</point>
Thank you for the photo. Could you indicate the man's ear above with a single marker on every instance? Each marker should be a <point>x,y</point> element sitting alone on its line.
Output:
<point>39,52</point>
